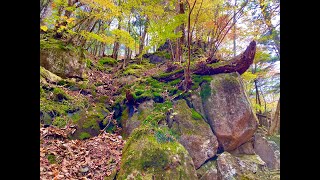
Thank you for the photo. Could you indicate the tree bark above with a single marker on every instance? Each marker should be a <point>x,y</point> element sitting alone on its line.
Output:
<point>116,45</point>
<point>275,123</point>
<point>258,101</point>
<point>238,64</point>
<point>143,36</point>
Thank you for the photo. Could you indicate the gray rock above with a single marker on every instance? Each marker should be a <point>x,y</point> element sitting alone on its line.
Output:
<point>156,59</point>
<point>208,171</point>
<point>195,134</point>
<point>228,110</point>
<point>241,167</point>
<point>246,148</point>
<point>62,62</point>
<point>132,122</point>
<point>197,103</point>
<point>267,150</point>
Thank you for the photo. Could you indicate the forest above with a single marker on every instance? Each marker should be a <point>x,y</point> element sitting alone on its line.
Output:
<point>160,89</point>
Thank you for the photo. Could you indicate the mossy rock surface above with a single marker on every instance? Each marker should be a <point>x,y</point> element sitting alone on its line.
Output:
<point>208,171</point>
<point>64,63</point>
<point>250,167</point>
<point>87,122</point>
<point>131,120</point>
<point>194,133</point>
<point>146,158</point>
<point>49,76</point>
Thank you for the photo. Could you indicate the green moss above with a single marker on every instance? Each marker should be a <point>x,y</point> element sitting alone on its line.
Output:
<point>51,158</point>
<point>129,72</point>
<point>157,97</point>
<point>60,122</point>
<point>174,82</point>
<point>89,63</point>
<point>91,122</point>
<point>164,54</point>
<point>147,95</point>
<point>75,117</point>
<point>165,75</point>
<point>84,135</point>
<point>198,80</point>
<point>108,60</point>
<point>205,91</point>
<point>195,114</point>
<point>103,99</point>
<point>144,156</point>
<point>60,94</point>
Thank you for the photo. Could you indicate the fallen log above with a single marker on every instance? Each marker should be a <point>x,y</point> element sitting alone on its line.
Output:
<point>238,64</point>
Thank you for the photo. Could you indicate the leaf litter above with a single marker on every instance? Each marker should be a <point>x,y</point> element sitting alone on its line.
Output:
<point>94,158</point>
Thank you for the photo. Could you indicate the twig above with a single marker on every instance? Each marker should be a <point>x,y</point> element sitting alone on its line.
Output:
<point>110,115</point>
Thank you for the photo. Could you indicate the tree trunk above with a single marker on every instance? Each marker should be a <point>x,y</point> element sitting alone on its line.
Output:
<point>116,45</point>
<point>143,37</point>
<point>275,123</point>
<point>234,29</point>
<point>187,80</point>
<point>258,101</point>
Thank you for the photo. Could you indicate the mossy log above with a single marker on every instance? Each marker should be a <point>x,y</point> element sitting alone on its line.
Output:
<point>238,64</point>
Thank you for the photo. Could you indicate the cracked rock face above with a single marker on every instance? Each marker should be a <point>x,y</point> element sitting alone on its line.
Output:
<point>195,134</point>
<point>241,167</point>
<point>228,110</point>
<point>268,151</point>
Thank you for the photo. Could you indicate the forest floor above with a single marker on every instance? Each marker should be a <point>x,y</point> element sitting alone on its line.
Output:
<point>97,157</point>
<point>94,158</point>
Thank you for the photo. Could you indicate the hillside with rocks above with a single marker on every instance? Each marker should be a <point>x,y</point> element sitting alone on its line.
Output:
<point>152,90</point>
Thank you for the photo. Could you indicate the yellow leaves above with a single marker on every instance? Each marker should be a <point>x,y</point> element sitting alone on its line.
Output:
<point>99,37</point>
<point>61,28</point>
<point>248,76</point>
<point>44,28</point>
<point>64,17</point>
<point>70,20</point>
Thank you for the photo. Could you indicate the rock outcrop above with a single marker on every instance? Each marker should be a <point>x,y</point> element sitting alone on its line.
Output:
<point>241,167</point>
<point>267,150</point>
<point>228,110</point>
<point>195,134</point>
<point>208,171</point>
<point>63,63</point>
<point>132,120</point>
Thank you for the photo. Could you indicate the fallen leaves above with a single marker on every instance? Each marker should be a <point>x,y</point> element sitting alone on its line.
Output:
<point>93,158</point>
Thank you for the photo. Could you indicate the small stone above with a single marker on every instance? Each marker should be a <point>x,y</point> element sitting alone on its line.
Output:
<point>84,170</point>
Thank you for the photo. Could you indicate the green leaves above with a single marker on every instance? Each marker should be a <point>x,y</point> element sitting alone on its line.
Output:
<point>123,37</point>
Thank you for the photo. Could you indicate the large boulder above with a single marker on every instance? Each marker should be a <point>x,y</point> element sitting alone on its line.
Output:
<point>194,133</point>
<point>241,167</point>
<point>228,110</point>
<point>269,151</point>
<point>145,157</point>
<point>64,63</point>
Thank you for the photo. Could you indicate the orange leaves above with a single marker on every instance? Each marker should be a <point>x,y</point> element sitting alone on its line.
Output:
<point>93,158</point>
